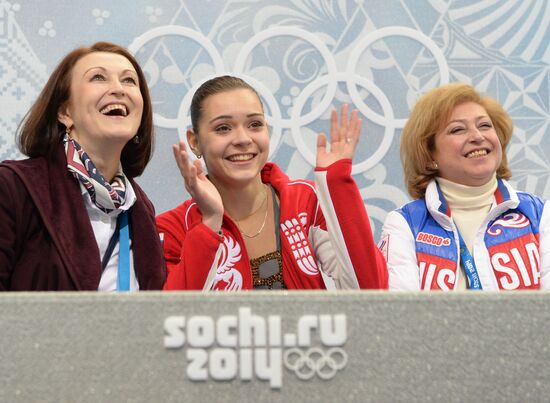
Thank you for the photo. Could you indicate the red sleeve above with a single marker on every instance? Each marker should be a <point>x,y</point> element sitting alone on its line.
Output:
<point>189,254</point>
<point>353,223</point>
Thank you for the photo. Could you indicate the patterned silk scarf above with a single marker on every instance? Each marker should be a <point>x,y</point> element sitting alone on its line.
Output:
<point>106,196</point>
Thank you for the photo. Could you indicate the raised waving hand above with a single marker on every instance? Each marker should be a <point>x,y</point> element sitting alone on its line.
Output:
<point>344,136</point>
<point>200,188</point>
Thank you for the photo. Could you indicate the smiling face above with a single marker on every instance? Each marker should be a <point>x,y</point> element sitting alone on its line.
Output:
<point>467,148</point>
<point>105,104</point>
<point>233,137</point>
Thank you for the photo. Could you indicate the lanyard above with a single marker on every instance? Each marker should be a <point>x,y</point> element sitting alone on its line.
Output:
<point>122,236</point>
<point>123,278</point>
<point>469,265</point>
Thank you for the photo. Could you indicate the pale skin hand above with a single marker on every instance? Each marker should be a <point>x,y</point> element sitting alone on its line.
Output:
<point>343,137</point>
<point>203,191</point>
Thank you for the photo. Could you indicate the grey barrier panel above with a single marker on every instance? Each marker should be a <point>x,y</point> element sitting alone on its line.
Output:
<point>353,346</point>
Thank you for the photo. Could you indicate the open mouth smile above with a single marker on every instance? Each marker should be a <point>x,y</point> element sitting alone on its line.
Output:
<point>477,153</point>
<point>115,110</point>
<point>241,157</point>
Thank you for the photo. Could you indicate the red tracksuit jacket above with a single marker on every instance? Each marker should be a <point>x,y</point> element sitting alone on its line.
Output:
<point>323,228</point>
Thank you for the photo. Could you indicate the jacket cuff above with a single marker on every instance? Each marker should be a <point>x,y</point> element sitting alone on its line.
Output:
<point>344,165</point>
<point>206,233</point>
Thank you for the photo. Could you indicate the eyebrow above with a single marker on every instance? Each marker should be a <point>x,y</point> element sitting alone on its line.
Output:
<point>464,120</point>
<point>104,69</point>
<point>223,117</point>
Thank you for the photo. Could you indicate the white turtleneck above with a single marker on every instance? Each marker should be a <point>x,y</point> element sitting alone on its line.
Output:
<point>469,206</point>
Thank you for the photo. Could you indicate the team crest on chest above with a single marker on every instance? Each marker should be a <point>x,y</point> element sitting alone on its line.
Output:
<point>227,276</point>
<point>293,230</point>
<point>512,220</point>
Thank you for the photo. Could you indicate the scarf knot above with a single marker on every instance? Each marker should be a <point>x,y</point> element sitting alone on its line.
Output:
<point>106,196</point>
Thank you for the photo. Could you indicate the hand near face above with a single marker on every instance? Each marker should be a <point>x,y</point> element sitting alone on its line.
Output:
<point>344,136</point>
<point>200,188</point>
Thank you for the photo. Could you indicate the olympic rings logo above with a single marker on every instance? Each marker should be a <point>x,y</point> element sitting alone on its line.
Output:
<point>298,118</point>
<point>315,361</point>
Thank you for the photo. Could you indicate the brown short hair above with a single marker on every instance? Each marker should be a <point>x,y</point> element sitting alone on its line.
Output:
<point>215,86</point>
<point>427,117</point>
<point>40,132</point>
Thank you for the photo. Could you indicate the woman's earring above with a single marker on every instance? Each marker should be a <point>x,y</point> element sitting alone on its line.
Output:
<point>435,166</point>
<point>199,156</point>
<point>136,139</point>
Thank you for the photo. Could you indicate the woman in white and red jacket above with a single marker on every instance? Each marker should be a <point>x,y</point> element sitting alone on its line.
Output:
<point>248,225</point>
<point>468,228</point>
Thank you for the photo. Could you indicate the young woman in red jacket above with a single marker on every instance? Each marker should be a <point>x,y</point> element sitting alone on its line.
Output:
<point>248,226</point>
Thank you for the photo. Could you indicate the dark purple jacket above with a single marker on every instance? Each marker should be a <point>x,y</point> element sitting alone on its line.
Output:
<point>46,239</point>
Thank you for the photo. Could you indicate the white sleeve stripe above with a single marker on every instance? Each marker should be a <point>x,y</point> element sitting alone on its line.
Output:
<point>213,270</point>
<point>187,214</point>
<point>333,226</point>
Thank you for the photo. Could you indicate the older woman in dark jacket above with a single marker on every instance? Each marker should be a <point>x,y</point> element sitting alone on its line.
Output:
<point>71,216</point>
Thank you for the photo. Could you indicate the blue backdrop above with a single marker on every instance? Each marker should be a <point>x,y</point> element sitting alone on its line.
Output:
<point>304,57</point>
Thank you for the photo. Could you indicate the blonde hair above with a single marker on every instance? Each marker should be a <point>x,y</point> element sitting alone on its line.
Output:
<point>429,114</point>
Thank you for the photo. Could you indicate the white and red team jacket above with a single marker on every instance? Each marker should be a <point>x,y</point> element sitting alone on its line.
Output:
<point>198,258</point>
<point>511,248</point>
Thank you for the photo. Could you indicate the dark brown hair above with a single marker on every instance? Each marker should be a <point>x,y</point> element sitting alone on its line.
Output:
<point>212,87</point>
<point>40,132</point>
<point>428,116</point>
